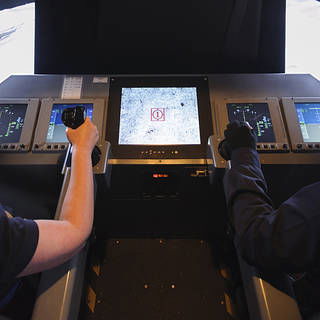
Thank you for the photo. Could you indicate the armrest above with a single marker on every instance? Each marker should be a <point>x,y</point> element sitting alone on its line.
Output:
<point>268,301</point>
<point>60,290</point>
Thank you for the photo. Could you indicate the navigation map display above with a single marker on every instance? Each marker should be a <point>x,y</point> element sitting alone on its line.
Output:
<point>159,116</point>
<point>257,115</point>
<point>309,121</point>
<point>11,122</point>
<point>57,130</point>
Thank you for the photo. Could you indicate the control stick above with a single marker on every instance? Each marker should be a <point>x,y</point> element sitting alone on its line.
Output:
<point>74,118</point>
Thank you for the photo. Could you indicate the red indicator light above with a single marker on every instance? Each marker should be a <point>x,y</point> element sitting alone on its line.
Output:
<point>160,175</point>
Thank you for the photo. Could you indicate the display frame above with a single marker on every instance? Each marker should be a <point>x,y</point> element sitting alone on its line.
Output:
<point>281,141</point>
<point>295,134</point>
<point>29,124</point>
<point>40,143</point>
<point>158,151</point>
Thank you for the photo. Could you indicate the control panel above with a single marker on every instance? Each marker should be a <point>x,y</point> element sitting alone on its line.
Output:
<point>50,135</point>
<point>262,114</point>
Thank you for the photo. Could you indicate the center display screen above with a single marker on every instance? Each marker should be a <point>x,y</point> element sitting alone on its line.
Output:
<point>57,130</point>
<point>159,116</point>
<point>11,122</point>
<point>257,115</point>
<point>309,121</point>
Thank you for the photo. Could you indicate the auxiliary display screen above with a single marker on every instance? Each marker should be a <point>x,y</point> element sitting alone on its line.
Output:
<point>159,116</point>
<point>309,121</point>
<point>12,118</point>
<point>56,129</point>
<point>257,115</point>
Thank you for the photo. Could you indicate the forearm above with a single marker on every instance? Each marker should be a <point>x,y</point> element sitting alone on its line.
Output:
<point>284,239</point>
<point>245,176</point>
<point>78,205</point>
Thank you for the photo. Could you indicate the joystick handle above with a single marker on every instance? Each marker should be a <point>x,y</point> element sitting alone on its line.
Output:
<point>74,118</point>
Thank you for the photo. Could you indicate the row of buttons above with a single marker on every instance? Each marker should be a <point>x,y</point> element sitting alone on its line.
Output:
<point>308,146</point>
<point>12,147</point>
<point>159,153</point>
<point>273,146</point>
<point>53,147</point>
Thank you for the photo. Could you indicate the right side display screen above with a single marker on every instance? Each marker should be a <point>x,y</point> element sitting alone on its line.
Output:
<point>257,115</point>
<point>309,121</point>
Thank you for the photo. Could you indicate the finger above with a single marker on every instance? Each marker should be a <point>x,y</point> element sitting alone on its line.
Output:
<point>248,125</point>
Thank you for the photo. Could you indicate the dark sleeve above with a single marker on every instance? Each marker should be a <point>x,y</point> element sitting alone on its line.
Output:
<point>286,239</point>
<point>18,242</point>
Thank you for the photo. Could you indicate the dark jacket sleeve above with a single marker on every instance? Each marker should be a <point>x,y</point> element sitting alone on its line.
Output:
<point>285,239</point>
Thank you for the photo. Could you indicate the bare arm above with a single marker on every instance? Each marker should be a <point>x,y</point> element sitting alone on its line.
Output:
<point>60,240</point>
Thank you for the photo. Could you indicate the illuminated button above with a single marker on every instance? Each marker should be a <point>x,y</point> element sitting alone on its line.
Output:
<point>176,151</point>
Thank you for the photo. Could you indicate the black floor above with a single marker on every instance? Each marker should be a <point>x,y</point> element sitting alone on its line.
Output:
<point>155,279</point>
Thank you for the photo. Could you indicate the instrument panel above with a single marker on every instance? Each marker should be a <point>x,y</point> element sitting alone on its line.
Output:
<point>165,120</point>
<point>262,114</point>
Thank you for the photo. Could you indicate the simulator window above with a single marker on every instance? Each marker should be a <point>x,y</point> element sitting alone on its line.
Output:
<point>11,122</point>
<point>309,121</point>
<point>17,36</point>
<point>57,130</point>
<point>159,116</point>
<point>257,115</point>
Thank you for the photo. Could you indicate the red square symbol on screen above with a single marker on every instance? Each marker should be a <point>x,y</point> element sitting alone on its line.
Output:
<point>157,114</point>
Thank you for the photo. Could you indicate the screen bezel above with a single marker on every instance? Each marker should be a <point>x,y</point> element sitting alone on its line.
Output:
<point>28,125</point>
<point>40,144</point>
<point>293,121</point>
<point>274,110</point>
<point>184,151</point>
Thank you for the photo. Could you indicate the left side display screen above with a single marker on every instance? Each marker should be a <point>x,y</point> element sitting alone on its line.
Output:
<point>56,129</point>
<point>11,122</point>
<point>257,115</point>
